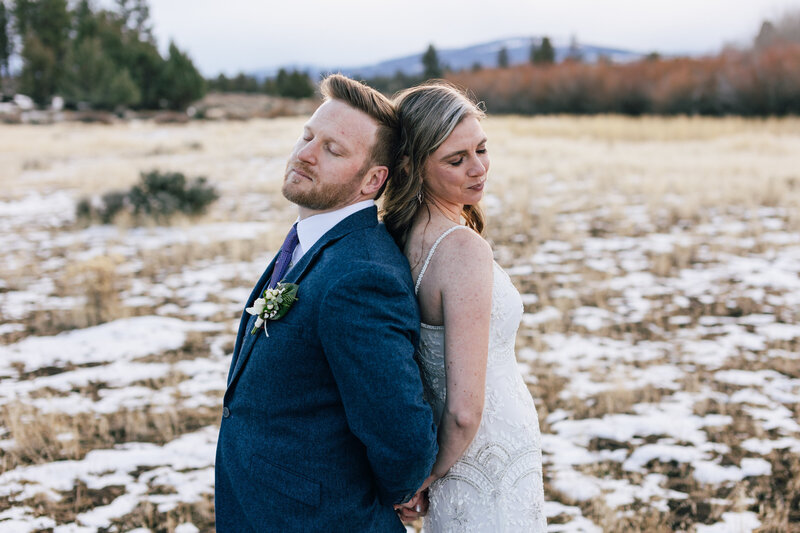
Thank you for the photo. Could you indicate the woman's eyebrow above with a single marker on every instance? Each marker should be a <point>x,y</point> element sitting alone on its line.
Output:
<point>461,152</point>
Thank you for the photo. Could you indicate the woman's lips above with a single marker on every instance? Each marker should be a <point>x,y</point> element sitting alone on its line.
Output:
<point>479,186</point>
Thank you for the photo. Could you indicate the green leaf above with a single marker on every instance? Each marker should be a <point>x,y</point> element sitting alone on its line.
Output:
<point>291,291</point>
<point>289,297</point>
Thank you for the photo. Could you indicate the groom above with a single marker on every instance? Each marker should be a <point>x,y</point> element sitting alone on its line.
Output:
<point>323,423</point>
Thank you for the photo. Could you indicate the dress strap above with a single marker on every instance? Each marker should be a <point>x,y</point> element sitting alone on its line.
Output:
<point>430,255</point>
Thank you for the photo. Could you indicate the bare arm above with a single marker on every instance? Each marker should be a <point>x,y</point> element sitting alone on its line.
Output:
<point>464,275</point>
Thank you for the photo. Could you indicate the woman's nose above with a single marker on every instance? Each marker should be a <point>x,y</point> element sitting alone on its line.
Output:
<point>476,168</point>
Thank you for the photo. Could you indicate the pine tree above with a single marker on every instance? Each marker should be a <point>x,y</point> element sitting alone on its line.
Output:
<point>767,35</point>
<point>44,27</point>
<point>89,73</point>
<point>104,58</point>
<point>94,79</point>
<point>50,21</point>
<point>135,15</point>
<point>129,33</point>
<point>574,53</point>
<point>430,64</point>
<point>122,91</point>
<point>502,57</point>
<point>220,83</point>
<point>5,41</point>
<point>269,87</point>
<point>23,15</point>
<point>302,87</point>
<point>37,78</point>
<point>281,81</point>
<point>545,54</point>
<point>180,82</point>
<point>294,84</point>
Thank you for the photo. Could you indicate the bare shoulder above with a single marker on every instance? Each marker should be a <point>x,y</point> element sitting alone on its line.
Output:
<point>464,257</point>
<point>468,246</point>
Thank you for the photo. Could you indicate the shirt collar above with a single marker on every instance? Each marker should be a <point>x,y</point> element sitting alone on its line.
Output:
<point>311,229</point>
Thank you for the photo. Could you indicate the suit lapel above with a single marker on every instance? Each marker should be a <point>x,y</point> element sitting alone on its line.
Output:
<point>246,322</point>
<point>358,220</point>
<point>361,219</point>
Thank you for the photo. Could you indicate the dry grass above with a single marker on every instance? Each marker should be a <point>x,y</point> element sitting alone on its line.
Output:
<point>556,183</point>
<point>147,515</point>
<point>47,437</point>
<point>97,281</point>
<point>92,158</point>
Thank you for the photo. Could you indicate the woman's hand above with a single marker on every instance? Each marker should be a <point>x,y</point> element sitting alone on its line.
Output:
<point>417,506</point>
<point>413,508</point>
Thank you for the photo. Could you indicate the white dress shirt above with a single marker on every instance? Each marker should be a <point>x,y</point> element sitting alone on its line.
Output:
<point>311,229</point>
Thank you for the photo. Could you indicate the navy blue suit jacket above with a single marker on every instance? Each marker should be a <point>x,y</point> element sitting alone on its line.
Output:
<point>324,426</point>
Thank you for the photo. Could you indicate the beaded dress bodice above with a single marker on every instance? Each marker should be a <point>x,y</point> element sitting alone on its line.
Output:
<point>496,486</point>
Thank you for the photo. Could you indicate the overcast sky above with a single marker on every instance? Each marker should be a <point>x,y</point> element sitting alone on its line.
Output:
<point>242,35</point>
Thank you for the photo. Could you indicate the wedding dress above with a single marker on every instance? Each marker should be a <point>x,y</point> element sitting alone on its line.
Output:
<point>496,486</point>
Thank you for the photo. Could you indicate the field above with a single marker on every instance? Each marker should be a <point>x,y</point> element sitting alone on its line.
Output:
<point>659,262</point>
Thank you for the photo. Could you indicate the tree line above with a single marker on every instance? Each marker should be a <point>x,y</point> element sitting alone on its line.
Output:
<point>94,58</point>
<point>762,79</point>
<point>289,84</point>
<point>434,68</point>
<point>107,59</point>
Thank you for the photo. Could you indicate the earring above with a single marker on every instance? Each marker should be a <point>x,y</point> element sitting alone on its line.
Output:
<point>419,195</point>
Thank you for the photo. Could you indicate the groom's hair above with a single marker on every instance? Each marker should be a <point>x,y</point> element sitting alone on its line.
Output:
<point>378,107</point>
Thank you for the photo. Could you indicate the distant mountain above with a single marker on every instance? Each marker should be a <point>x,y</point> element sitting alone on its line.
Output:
<point>484,54</point>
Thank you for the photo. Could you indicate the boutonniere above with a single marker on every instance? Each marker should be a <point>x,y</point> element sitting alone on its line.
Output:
<point>273,304</point>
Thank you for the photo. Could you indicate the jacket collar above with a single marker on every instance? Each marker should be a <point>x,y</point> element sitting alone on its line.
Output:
<point>362,219</point>
<point>311,229</point>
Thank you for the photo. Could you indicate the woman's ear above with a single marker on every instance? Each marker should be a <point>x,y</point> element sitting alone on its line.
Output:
<point>405,165</point>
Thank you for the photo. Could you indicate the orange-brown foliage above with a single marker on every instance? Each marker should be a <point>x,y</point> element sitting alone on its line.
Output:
<point>762,82</point>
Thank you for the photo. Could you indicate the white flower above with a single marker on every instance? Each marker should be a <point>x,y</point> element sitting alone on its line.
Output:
<point>272,305</point>
<point>258,307</point>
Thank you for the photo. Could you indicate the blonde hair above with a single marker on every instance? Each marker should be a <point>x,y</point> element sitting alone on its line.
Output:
<point>378,107</point>
<point>428,114</point>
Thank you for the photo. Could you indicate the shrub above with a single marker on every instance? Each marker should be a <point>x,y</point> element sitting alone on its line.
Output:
<point>161,195</point>
<point>158,196</point>
<point>760,82</point>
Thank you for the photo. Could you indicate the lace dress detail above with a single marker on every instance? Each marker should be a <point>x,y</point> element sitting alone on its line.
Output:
<point>496,486</point>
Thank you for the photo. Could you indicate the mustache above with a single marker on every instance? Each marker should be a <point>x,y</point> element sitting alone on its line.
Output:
<point>301,167</point>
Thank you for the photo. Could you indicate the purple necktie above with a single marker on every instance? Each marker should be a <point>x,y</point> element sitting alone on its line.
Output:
<point>284,257</point>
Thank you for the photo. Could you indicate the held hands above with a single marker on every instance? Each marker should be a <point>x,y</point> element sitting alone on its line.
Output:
<point>417,506</point>
<point>414,508</point>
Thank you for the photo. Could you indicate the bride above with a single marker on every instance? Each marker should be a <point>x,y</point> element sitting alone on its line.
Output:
<point>488,474</point>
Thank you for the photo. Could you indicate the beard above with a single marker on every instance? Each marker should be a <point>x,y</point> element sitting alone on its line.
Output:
<point>320,196</point>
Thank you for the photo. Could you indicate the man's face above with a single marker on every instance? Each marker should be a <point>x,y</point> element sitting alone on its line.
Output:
<point>330,160</point>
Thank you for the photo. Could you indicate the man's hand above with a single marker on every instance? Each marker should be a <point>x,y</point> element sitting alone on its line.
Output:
<point>414,508</point>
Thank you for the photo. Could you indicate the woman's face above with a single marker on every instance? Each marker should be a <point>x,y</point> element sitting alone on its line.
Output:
<point>456,172</point>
